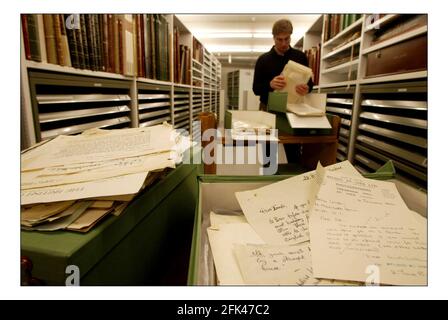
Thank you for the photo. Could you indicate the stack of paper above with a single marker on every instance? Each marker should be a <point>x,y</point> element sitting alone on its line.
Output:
<point>108,166</point>
<point>295,73</point>
<point>326,227</point>
<point>304,110</point>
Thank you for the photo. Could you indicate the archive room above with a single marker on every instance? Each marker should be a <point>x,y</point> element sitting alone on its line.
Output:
<point>223,149</point>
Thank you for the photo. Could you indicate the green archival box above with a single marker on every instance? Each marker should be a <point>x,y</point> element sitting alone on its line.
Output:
<point>277,102</point>
<point>148,244</point>
<point>219,192</point>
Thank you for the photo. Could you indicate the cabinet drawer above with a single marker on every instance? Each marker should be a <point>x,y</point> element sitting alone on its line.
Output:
<point>406,56</point>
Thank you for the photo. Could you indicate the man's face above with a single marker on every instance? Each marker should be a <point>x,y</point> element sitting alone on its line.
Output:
<point>282,41</point>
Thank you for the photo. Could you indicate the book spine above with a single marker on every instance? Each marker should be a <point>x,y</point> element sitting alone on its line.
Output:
<point>33,33</point>
<point>117,40</point>
<point>26,37</point>
<point>58,37</point>
<point>120,47</point>
<point>137,45</point>
<point>153,47</point>
<point>50,39</point>
<point>147,55</point>
<point>40,28</point>
<point>85,42</point>
<point>99,41</point>
<point>111,42</point>
<point>64,42</point>
<point>142,43</point>
<point>72,44</point>
<point>105,33</point>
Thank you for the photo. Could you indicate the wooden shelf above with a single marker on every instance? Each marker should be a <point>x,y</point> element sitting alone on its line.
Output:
<point>377,24</point>
<point>405,36</point>
<point>347,30</point>
<point>338,84</point>
<point>342,68</point>
<point>83,72</point>
<point>79,81</point>
<point>396,77</point>
<point>345,47</point>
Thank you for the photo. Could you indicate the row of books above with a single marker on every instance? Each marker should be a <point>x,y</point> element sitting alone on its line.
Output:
<point>198,51</point>
<point>182,60</point>
<point>135,45</point>
<point>335,23</point>
<point>313,56</point>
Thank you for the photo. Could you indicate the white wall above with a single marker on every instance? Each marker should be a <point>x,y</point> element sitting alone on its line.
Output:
<point>246,80</point>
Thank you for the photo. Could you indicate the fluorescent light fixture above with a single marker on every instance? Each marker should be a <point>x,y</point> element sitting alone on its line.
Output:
<point>223,35</point>
<point>238,48</point>
<point>233,35</point>
<point>241,35</point>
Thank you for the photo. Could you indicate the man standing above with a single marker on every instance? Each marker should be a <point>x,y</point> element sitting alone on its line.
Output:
<point>267,76</point>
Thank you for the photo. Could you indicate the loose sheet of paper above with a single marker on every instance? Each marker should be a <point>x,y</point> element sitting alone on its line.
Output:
<point>279,265</point>
<point>278,212</point>
<point>307,122</point>
<point>295,73</point>
<point>127,184</point>
<point>221,241</point>
<point>275,264</point>
<point>305,110</point>
<point>54,176</point>
<point>92,148</point>
<point>71,214</point>
<point>364,228</point>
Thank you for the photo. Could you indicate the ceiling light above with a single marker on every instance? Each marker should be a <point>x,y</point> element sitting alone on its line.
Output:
<point>218,48</point>
<point>223,35</point>
<point>241,35</point>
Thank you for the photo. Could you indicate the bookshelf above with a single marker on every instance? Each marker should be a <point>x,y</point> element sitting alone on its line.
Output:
<point>382,105</point>
<point>238,81</point>
<point>116,71</point>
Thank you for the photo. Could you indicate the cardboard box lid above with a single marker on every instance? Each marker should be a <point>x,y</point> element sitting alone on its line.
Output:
<point>278,101</point>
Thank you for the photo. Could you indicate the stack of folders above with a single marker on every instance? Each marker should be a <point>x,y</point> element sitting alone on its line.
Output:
<point>71,182</point>
<point>330,226</point>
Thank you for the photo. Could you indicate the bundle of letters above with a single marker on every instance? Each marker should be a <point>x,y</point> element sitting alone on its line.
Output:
<point>330,226</point>
<point>71,182</point>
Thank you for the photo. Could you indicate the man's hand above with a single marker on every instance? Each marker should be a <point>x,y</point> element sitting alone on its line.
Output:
<point>302,89</point>
<point>279,82</point>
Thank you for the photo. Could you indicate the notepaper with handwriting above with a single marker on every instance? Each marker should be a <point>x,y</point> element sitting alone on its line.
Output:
<point>222,238</point>
<point>65,150</point>
<point>275,264</point>
<point>278,212</point>
<point>263,264</point>
<point>365,230</point>
<point>82,172</point>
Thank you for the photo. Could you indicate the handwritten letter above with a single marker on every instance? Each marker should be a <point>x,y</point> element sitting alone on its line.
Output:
<point>279,212</point>
<point>274,265</point>
<point>360,223</point>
